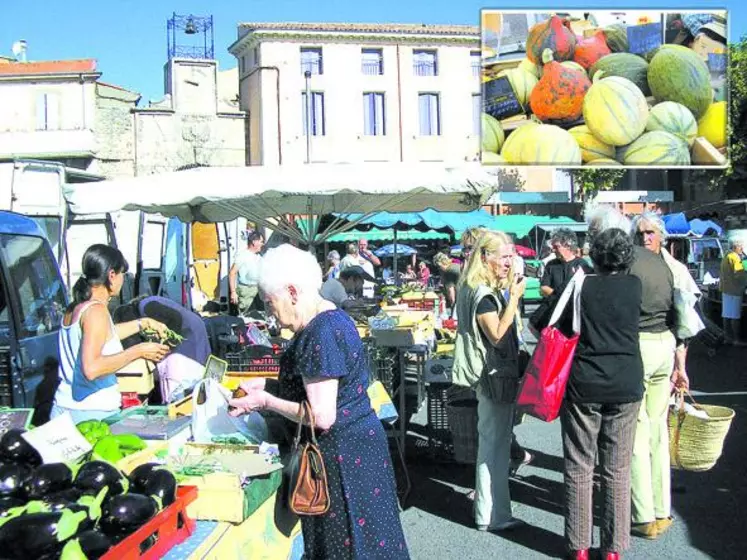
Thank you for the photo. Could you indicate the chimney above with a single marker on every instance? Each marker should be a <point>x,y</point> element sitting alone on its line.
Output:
<point>19,50</point>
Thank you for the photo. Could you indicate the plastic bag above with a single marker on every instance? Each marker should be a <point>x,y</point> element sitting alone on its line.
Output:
<point>211,420</point>
<point>687,320</point>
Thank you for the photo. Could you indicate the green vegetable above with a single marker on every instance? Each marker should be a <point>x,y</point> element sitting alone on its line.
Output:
<point>107,449</point>
<point>94,430</point>
<point>130,443</point>
<point>171,338</point>
<point>73,551</point>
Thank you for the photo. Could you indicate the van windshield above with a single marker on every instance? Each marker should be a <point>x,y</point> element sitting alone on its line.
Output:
<point>33,283</point>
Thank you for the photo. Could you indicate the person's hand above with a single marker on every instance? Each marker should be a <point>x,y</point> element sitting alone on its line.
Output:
<point>517,288</point>
<point>255,399</point>
<point>234,298</point>
<point>152,351</point>
<point>256,384</point>
<point>152,324</point>
<point>679,380</point>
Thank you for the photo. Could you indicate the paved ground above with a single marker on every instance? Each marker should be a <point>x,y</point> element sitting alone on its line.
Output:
<point>708,507</point>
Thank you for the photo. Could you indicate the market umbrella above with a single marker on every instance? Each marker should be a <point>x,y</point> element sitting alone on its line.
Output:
<point>525,252</point>
<point>273,195</point>
<point>395,250</point>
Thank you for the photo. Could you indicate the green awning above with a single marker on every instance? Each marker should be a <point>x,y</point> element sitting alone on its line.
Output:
<point>521,224</point>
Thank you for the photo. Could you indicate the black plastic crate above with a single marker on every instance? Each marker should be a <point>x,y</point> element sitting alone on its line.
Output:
<point>440,441</point>
<point>249,361</point>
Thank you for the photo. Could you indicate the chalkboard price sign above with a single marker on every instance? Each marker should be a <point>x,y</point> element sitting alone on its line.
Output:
<point>499,99</point>
<point>644,38</point>
<point>11,418</point>
<point>717,62</point>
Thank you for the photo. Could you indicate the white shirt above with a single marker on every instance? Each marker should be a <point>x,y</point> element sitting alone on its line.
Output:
<point>248,263</point>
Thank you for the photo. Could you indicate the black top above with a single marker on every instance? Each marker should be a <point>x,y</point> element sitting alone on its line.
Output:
<point>657,303</point>
<point>607,366</point>
<point>487,305</point>
<point>558,273</point>
<point>450,276</point>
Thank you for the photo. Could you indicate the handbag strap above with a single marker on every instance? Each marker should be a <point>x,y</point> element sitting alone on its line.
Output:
<point>306,414</point>
<point>572,290</point>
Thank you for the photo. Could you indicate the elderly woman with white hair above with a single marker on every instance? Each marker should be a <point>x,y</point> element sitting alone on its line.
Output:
<point>325,365</point>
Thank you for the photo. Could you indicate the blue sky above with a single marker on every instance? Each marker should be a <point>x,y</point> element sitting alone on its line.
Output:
<point>128,37</point>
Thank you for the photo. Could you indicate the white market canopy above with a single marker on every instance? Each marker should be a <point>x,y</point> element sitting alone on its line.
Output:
<point>272,196</point>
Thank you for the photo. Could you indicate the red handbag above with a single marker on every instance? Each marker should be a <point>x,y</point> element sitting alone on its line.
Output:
<point>543,385</point>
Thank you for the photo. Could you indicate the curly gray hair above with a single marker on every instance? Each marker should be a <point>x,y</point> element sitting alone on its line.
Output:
<point>565,237</point>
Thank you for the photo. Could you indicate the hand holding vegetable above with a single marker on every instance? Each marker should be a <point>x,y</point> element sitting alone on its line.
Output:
<point>256,384</point>
<point>148,324</point>
<point>255,399</point>
<point>152,351</point>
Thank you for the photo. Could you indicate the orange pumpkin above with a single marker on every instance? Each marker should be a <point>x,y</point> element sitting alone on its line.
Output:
<point>591,49</point>
<point>559,95</point>
<point>554,34</point>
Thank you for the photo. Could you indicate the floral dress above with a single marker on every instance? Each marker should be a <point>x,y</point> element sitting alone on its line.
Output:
<point>363,518</point>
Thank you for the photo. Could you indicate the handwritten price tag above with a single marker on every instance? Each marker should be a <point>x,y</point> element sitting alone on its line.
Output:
<point>644,38</point>
<point>58,441</point>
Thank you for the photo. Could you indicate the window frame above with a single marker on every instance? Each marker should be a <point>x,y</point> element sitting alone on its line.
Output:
<point>376,95</point>
<point>375,50</point>
<point>439,116</point>
<point>304,108</point>
<point>416,64</point>
<point>319,63</point>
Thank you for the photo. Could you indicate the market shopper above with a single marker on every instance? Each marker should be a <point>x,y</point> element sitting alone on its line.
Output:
<point>732,284</point>
<point>664,366</point>
<point>332,265</point>
<point>450,273</point>
<point>348,287</point>
<point>559,271</point>
<point>486,360</point>
<point>89,341</point>
<point>602,400</point>
<point>242,277</point>
<point>325,364</point>
<point>355,258</point>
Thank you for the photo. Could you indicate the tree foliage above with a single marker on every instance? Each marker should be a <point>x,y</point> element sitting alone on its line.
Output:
<point>588,182</point>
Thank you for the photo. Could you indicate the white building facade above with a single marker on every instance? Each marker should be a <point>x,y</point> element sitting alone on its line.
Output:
<point>378,92</point>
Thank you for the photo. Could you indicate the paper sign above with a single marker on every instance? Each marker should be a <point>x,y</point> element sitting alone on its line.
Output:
<point>58,441</point>
<point>499,99</point>
<point>644,38</point>
<point>18,418</point>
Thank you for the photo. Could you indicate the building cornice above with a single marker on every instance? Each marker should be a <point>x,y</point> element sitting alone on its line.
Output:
<point>84,76</point>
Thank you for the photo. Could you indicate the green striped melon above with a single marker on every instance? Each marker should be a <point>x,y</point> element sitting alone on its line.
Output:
<point>522,82</point>
<point>591,147</point>
<point>605,162</point>
<point>678,74</point>
<point>615,110</point>
<point>625,65</point>
<point>547,144</point>
<point>675,118</point>
<point>616,36</point>
<point>529,66</point>
<point>492,134</point>
<point>491,158</point>
<point>515,142</point>
<point>658,147</point>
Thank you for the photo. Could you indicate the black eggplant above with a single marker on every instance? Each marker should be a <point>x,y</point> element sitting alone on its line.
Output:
<point>13,448</point>
<point>95,475</point>
<point>8,502</point>
<point>38,535</point>
<point>139,475</point>
<point>90,545</point>
<point>161,484</point>
<point>48,478</point>
<point>125,513</point>
<point>12,477</point>
<point>58,500</point>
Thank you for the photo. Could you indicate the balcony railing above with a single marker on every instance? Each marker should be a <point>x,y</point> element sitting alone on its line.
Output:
<point>425,69</point>
<point>372,67</point>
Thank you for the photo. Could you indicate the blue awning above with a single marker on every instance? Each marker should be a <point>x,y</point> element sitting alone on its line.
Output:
<point>427,219</point>
<point>677,224</point>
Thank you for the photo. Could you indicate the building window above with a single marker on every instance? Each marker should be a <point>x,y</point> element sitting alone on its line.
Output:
<point>475,59</point>
<point>430,114</point>
<point>311,60</point>
<point>47,112</point>
<point>374,122</point>
<point>476,114</point>
<point>372,62</point>
<point>316,119</point>
<point>242,60</point>
<point>425,63</point>
<point>255,52</point>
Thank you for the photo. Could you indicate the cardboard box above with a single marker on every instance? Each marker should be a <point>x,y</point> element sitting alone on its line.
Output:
<point>403,336</point>
<point>221,496</point>
<point>704,153</point>
<point>137,377</point>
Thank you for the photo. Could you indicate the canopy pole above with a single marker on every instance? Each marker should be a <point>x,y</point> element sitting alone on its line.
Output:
<point>394,270</point>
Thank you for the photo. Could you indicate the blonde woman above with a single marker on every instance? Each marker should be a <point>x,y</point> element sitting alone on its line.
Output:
<point>486,360</point>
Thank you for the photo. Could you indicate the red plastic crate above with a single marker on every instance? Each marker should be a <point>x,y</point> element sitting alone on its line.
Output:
<point>165,525</point>
<point>130,399</point>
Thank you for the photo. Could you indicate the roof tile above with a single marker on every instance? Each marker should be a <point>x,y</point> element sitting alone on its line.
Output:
<point>83,66</point>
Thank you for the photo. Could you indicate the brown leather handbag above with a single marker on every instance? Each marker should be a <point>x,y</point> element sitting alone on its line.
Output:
<point>305,478</point>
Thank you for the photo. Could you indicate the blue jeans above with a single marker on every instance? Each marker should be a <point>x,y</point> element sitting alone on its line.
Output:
<point>82,415</point>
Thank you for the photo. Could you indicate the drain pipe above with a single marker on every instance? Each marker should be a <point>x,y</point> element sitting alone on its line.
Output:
<point>277,95</point>
<point>399,106</point>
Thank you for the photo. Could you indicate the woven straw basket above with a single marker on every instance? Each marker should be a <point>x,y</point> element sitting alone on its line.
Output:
<point>695,444</point>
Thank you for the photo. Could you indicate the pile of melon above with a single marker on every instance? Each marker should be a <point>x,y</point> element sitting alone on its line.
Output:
<point>593,103</point>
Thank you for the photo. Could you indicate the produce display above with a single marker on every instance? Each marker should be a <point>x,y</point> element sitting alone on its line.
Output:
<point>592,98</point>
<point>74,511</point>
<point>171,338</point>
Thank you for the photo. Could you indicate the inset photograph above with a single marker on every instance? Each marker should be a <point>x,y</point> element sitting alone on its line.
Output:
<point>604,88</point>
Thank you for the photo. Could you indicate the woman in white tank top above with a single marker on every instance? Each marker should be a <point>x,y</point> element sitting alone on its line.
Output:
<point>89,342</point>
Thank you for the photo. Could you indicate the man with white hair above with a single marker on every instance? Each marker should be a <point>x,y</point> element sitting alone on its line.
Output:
<point>732,283</point>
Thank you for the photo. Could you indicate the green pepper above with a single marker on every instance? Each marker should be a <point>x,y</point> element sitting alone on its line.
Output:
<point>107,448</point>
<point>94,430</point>
<point>130,443</point>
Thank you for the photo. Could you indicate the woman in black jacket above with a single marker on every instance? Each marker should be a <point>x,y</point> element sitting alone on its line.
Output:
<point>602,399</point>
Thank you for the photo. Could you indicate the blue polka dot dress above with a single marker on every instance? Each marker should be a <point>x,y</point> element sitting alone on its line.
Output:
<point>363,518</point>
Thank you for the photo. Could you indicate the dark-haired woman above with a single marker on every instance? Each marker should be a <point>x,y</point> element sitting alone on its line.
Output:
<point>89,341</point>
<point>602,399</point>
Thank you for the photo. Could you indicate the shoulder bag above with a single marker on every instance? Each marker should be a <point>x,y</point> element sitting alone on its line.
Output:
<point>305,477</point>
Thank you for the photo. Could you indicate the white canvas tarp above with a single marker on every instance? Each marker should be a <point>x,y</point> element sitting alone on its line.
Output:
<point>272,195</point>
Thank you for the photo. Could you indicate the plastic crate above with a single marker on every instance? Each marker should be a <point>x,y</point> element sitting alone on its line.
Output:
<point>440,441</point>
<point>243,362</point>
<point>170,527</point>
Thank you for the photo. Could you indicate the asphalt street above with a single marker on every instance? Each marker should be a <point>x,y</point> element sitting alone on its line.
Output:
<point>709,521</point>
